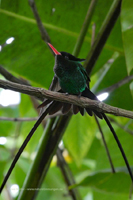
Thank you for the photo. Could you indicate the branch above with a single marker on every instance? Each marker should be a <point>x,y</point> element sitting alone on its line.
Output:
<point>9,76</point>
<point>18,119</point>
<point>116,85</point>
<point>42,30</point>
<point>105,145</point>
<point>125,128</point>
<point>67,175</point>
<point>72,99</point>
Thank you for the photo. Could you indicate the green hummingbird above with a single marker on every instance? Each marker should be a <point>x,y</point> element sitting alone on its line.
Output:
<point>72,78</point>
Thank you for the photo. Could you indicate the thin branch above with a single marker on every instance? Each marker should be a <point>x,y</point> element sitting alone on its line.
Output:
<point>72,99</point>
<point>113,87</point>
<point>21,88</point>
<point>105,145</point>
<point>84,27</point>
<point>42,30</point>
<point>67,174</point>
<point>18,119</point>
<point>121,126</point>
<point>9,76</point>
<point>103,35</point>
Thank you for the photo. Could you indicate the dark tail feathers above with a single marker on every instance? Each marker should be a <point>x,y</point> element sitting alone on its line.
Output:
<point>66,107</point>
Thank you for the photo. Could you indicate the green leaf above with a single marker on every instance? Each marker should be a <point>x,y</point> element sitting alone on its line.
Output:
<point>118,183</point>
<point>104,196</point>
<point>28,55</point>
<point>79,136</point>
<point>127,32</point>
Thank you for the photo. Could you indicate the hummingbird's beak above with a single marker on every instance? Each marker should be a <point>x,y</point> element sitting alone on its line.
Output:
<point>53,49</point>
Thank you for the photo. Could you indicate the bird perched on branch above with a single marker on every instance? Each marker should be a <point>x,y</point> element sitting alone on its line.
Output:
<point>73,79</point>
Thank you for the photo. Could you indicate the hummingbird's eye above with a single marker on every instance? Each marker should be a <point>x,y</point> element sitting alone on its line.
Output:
<point>66,57</point>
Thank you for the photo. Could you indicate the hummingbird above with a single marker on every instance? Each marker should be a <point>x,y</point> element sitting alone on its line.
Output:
<point>71,78</point>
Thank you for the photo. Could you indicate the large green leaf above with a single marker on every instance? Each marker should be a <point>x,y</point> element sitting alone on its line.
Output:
<point>104,196</point>
<point>79,136</point>
<point>107,182</point>
<point>28,55</point>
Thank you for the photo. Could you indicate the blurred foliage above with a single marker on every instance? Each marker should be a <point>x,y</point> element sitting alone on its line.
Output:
<point>28,57</point>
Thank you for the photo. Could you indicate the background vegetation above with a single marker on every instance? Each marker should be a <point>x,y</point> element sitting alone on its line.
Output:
<point>28,57</point>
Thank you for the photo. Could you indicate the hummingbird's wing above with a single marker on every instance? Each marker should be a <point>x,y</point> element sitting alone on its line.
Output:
<point>58,106</point>
<point>85,75</point>
<point>54,86</point>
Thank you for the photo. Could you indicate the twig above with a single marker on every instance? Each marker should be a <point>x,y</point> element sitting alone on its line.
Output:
<point>67,174</point>
<point>105,145</point>
<point>72,99</point>
<point>42,30</point>
<point>116,85</point>
<point>103,35</point>
<point>9,76</point>
<point>121,126</point>
<point>18,119</point>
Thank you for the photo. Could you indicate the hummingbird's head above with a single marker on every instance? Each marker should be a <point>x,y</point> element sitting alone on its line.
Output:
<point>64,55</point>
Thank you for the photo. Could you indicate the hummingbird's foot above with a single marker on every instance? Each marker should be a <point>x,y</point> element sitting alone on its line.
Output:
<point>79,95</point>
